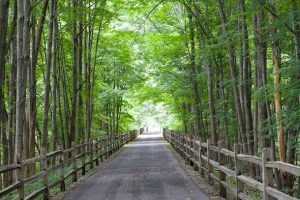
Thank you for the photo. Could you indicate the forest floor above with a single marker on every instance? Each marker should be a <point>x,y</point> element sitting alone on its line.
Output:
<point>145,169</point>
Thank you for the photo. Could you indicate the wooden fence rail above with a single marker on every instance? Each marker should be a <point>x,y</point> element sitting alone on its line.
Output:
<point>78,158</point>
<point>227,168</point>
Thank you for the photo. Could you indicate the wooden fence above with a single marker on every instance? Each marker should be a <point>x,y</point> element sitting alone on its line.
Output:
<point>228,168</point>
<point>77,158</point>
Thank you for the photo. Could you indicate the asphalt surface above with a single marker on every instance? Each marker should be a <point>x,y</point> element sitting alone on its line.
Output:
<point>145,170</point>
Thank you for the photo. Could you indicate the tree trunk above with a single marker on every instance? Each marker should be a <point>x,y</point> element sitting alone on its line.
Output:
<point>4,8</point>
<point>26,53</point>
<point>88,83</point>
<point>32,99</point>
<point>260,65</point>
<point>62,119</point>
<point>54,79</point>
<point>233,73</point>
<point>44,142</point>
<point>66,113</point>
<point>213,125</point>
<point>21,92</point>
<point>291,132</point>
<point>74,79</point>
<point>38,36</point>
<point>277,95</point>
<point>193,75</point>
<point>36,39</point>
<point>246,81</point>
<point>296,23</point>
<point>12,106</point>
<point>79,116</point>
<point>224,106</point>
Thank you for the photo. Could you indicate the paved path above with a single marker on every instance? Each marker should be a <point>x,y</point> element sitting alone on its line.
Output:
<point>145,170</point>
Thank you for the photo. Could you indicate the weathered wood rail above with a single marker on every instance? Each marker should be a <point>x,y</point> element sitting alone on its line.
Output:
<point>228,168</point>
<point>86,154</point>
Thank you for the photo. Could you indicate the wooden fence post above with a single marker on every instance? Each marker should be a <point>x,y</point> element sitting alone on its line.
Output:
<point>190,152</point>
<point>62,172</point>
<point>83,149</point>
<point>97,152</point>
<point>195,154</point>
<point>20,177</point>
<point>182,146</point>
<point>238,171</point>
<point>44,166</point>
<point>102,149</point>
<point>173,136</point>
<point>175,141</point>
<point>119,141</point>
<point>106,146</point>
<point>91,143</point>
<point>74,165</point>
<point>209,167</point>
<point>115,143</point>
<point>188,149</point>
<point>267,173</point>
<point>222,176</point>
<point>200,157</point>
<point>186,142</point>
<point>111,144</point>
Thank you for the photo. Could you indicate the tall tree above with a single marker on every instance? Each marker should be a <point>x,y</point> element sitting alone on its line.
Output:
<point>193,74</point>
<point>46,105</point>
<point>261,76</point>
<point>4,7</point>
<point>72,126</point>
<point>21,92</point>
<point>246,78</point>
<point>54,129</point>
<point>233,73</point>
<point>277,96</point>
